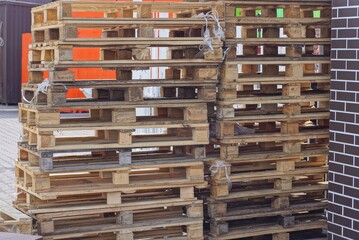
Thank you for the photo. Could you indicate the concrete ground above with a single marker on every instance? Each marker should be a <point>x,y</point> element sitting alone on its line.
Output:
<point>10,132</point>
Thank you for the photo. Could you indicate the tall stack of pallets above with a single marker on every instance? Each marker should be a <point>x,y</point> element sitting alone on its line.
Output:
<point>272,122</point>
<point>113,181</point>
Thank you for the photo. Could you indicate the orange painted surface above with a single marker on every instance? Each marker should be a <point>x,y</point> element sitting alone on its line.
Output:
<point>26,40</point>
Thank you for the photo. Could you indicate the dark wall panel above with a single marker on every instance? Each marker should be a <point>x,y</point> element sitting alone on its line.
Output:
<point>2,52</point>
<point>16,18</point>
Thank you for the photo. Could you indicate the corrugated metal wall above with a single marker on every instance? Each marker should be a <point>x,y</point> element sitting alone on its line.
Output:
<point>16,18</point>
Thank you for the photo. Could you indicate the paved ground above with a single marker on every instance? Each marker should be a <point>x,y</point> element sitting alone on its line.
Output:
<point>9,135</point>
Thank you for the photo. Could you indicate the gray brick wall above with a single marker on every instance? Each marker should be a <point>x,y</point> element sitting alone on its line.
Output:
<point>343,210</point>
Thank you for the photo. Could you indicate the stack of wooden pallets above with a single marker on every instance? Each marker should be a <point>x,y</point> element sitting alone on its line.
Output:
<point>272,122</point>
<point>113,181</point>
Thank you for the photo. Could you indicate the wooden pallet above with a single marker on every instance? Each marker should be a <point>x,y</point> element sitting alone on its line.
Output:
<point>304,135</point>
<point>228,218</point>
<point>57,21</point>
<point>128,178</point>
<point>280,175</point>
<point>296,94</point>
<point>12,220</point>
<point>235,151</point>
<point>294,73</point>
<point>119,28</point>
<point>53,12</point>
<point>118,93</point>
<point>27,201</point>
<point>95,116</point>
<point>116,137</point>
<point>305,8</point>
<point>299,41</point>
<point>254,154</point>
<point>254,48</point>
<point>226,127</point>
<point>226,109</point>
<point>162,228</point>
<point>241,209</point>
<point>301,68</point>
<point>298,12</point>
<point>248,125</point>
<point>177,73</point>
<point>80,221</point>
<point>312,226</point>
<point>62,53</point>
<point>109,196</point>
<point>302,188</point>
<point>281,114</point>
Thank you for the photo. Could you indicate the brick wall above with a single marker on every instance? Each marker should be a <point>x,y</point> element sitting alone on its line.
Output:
<point>343,210</point>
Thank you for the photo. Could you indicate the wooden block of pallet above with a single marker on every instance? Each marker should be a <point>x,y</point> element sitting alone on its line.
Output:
<point>12,220</point>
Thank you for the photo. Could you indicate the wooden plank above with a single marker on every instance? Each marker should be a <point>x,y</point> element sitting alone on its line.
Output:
<point>278,41</point>
<point>126,41</point>
<point>126,64</point>
<point>101,23</point>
